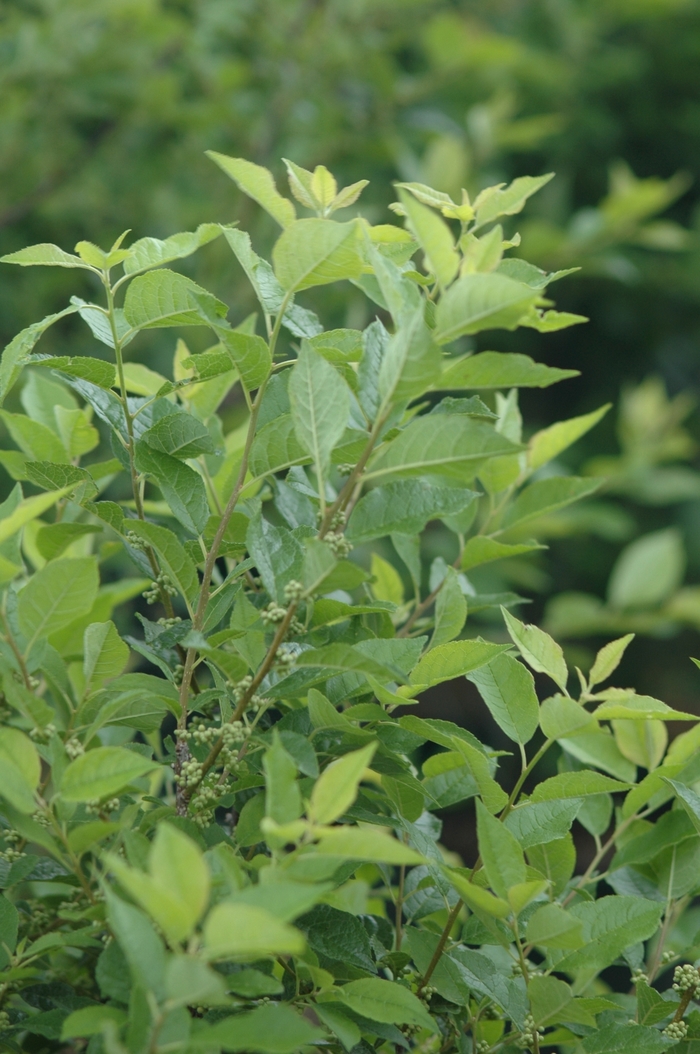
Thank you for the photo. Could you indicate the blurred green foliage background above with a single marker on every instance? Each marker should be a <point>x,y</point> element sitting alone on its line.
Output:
<point>107,106</point>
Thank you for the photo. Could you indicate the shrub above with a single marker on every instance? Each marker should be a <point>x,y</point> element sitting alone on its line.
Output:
<point>239,849</point>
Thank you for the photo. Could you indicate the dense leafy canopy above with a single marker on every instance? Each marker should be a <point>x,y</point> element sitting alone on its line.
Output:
<point>223,833</point>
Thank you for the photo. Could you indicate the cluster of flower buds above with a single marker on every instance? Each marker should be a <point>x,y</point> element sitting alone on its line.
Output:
<point>4,1020</point>
<point>527,1036</point>
<point>676,1030</point>
<point>204,802</point>
<point>45,733</point>
<point>95,806</point>
<point>168,623</point>
<point>482,1045</point>
<point>638,975</point>
<point>293,591</point>
<point>134,541</point>
<point>11,852</point>
<point>162,584</point>
<point>338,544</point>
<point>273,613</point>
<point>686,978</point>
<point>190,773</point>
<point>73,748</point>
<point>286,657</point>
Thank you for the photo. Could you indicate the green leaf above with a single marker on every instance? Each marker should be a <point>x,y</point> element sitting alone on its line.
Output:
<point>20,769</point>
<point>386,1001</point>
<point>608,659</point>
<point>166,298</point>
<point>404,507</point>
<point>152,252</point>
<point>320,404</point>
<point>344,658</point>
<point>258,184</point>
<point>315,252</point>
<point>508,690</point>
<point>282,794</point>
<point>57,595</point>
<point>411,361</point>
<point>454,659</point>
<point>97,371</point>
<point>105,655</point>
<point>353,843</point>
<point>101,772</point>
<point>182,487</point>
<point>278,555</point>
<point>246,933</point>
<point>174,559</point>
<point>555,860</point>
<point>452,445</point>
<point>142,949</point>
<point>537,824</point>
<point>9,924</point>
<point>17,353</point>
<point>43,255</point>
<point>478,898</point>
<point>450,611</point>
<point>626,1039</point>
<point>434,237</point>
<point>50,476</point>
<point>492,794</point>
<point>651,1006</point>
<point>688,799</point>
<point>495,369</point>
<point>89,1021</point>
<point>481,550</point>
<point>273,1029</point>
<point>575,785</point>
<point>561,716</point>
<point>610,924</point>
<point>538,649</point>
<point>258,271</point>
<point>545,496</point>
<point>336,789</point>
<point>494,202</point>
<point>34,438</point>
<point>481,301</point>
<point>500,851</point>
<point>550,442</point>
<point>276,447</point>
<point>648,571</point>
<point>249,353</point>
<point>180,435</point>
<point>188,981</point>
<point>552,927</point>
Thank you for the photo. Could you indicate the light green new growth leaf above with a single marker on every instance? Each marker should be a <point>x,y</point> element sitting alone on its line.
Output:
<point>500,851</point>
<point>320,403</point>
<point>89,1021</point>
<point>546,496</point>
<point>538,649</point>
<point>576,785</point>
<point>20,769</point>
<point>476,897</point>
<point>105,654</point>
<point>166,298</point>
<point>481,550</point>
<point>648,571</point>
<point>176,864</point>
<point>353,843</point>
<point>44,255</point>
<point>451,445</point>
<point>17,352</point>
<point>450,611</point>
<point>315,252</point>
<point>495,202</point>
<point>481,301</point>
<point>29,509</point>
<point>272,1029</point>
<point>552,927</point>
<point>608,659</point>
<point>550,442</point>
<point>336,789</point>
<point>434,237</point>
<point>152,252</point>
<point>508,689</point>
<point>246,933</point>
<point>59,593</point>
<point>380,1000</point>
<point>282,794</point>
<point>101,772</point>
<point>496,369</point>
<point>455,659</point>
<point>492,794</point>
<point>258,184</point>
<point>561,716</point>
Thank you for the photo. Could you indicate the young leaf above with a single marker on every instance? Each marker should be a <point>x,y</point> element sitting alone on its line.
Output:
<point>246,932</point>
<point>481,550</point>
<point>495,369</point>
<point>608,659</point>
<point>550,442</point>
<point>320,406</point>
<point>336,789</point>
<point>481,301</point>
<point>648,570</point>
<point>56,596</point>
<point>315,252</point>
<point>450,611</point>
<point>101,772</point>
<point>495,202</point>
<point>152,252</point>
<point>538,649</point>
<point>105,655</point>
<point>272,1029</point>
<point>434,238</point>
<point>258,184</point>
<point>43,255</point>
<point>575,785</point>
<point>508,689</point>
<point>545,496</point>
<point>282,795</point>
<point>454,659</point>
<point>500,851</point>
<point>166,298</point>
